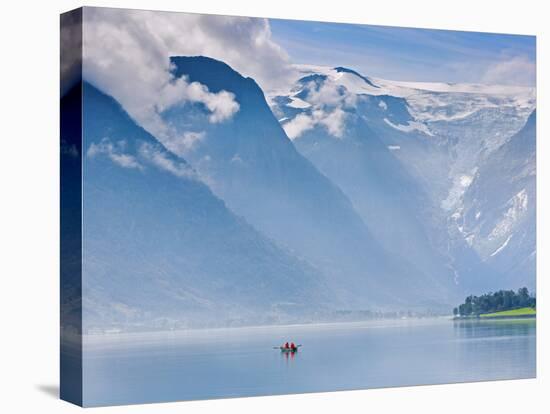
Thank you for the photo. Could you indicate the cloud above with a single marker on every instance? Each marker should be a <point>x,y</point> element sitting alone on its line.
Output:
<point>126,54</point>
<point>190,139</point>
<point>71,49</point>
<point>329,94</point>
<point>298,125</point>
<point>515,70</point>
<point>222,105</point>
<point>69,150</point>
<point>186,142</point>
<point>115,152</point>
<point>327,101</point>
<point>164,161</point>
<point>147,155</point>
<point>333,121</point>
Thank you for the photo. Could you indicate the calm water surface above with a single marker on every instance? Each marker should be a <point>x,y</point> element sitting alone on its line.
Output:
<point>142,368</point>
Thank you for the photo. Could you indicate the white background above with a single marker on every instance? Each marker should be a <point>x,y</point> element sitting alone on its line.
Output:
<point>29,192</point>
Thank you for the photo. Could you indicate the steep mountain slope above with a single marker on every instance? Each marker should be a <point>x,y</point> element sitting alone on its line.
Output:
<point>252,165</point>
<point>391,201</point>
<point>499,213</point>
<point>405,154</point>
<point>160,250</point>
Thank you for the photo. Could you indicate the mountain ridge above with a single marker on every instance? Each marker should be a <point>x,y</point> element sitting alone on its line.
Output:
<point>150,227</point>
<point>439,134</point>
<point>286,196</point>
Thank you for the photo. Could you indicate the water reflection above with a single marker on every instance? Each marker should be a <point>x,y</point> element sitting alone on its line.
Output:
<point>289,355</point>
<point>479,328</point>
<point>229,363</point>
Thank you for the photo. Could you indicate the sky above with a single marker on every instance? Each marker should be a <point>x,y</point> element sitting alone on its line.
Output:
<point>409,54</point>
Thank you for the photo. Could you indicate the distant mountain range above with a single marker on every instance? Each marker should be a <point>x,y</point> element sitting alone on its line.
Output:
<point>443,143</point>
<point>343,193</point>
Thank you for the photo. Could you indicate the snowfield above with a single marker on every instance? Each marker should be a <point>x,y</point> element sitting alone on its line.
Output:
<point>450,138</point>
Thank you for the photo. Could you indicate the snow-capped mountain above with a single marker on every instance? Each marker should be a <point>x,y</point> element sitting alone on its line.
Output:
<point>498,219</point>
<point>407,154</point>
<point>345,192</point>
<point>252,165</point>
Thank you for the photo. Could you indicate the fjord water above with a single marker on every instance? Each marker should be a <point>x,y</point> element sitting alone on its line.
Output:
<point>238,362</point>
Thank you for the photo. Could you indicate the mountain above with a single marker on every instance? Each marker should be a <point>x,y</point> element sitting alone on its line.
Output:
<point>252,165</point>
<point>345,192</point>
<point>392,202</point>
<point>162,251</point>
<point>405,154</point>
<point>499,215</point>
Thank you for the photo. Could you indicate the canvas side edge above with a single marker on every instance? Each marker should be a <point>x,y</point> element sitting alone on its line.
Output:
<point>71,207</point>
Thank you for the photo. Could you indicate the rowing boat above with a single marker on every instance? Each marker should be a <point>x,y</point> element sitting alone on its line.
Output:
<point>289,350</point>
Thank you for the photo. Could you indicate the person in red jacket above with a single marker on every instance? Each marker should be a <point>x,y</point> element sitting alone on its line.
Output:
<point>292,346</point>
<point>287,346</point>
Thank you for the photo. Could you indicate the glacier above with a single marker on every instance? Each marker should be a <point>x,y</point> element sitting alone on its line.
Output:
<point>442,139</point>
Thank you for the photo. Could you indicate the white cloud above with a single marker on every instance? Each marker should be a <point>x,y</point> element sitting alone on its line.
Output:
<point>164,161</point>
<point>183,143</point>
<point>516,70</point>
<point>236,159</point>
<point>298,125</point>
<point>147,155</point>
<point>126,54</point>
<point>115,152</point>
<point>222,105</point>
<point>325,103</point>
<point>190,139</point>
<point>330,94</point>
<point>333,121</point>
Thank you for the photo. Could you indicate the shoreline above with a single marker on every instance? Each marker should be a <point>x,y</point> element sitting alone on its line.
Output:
<point>489,318</point>
<point>374,323</point>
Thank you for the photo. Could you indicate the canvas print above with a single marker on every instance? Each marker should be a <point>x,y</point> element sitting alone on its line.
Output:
<point>254,206</point>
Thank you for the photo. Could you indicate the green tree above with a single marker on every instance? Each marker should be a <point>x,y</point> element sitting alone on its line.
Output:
<point>497,301</point>
<point>523,297</point>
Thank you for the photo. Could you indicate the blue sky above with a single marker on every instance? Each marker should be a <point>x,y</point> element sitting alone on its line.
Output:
<point>410,54</point>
